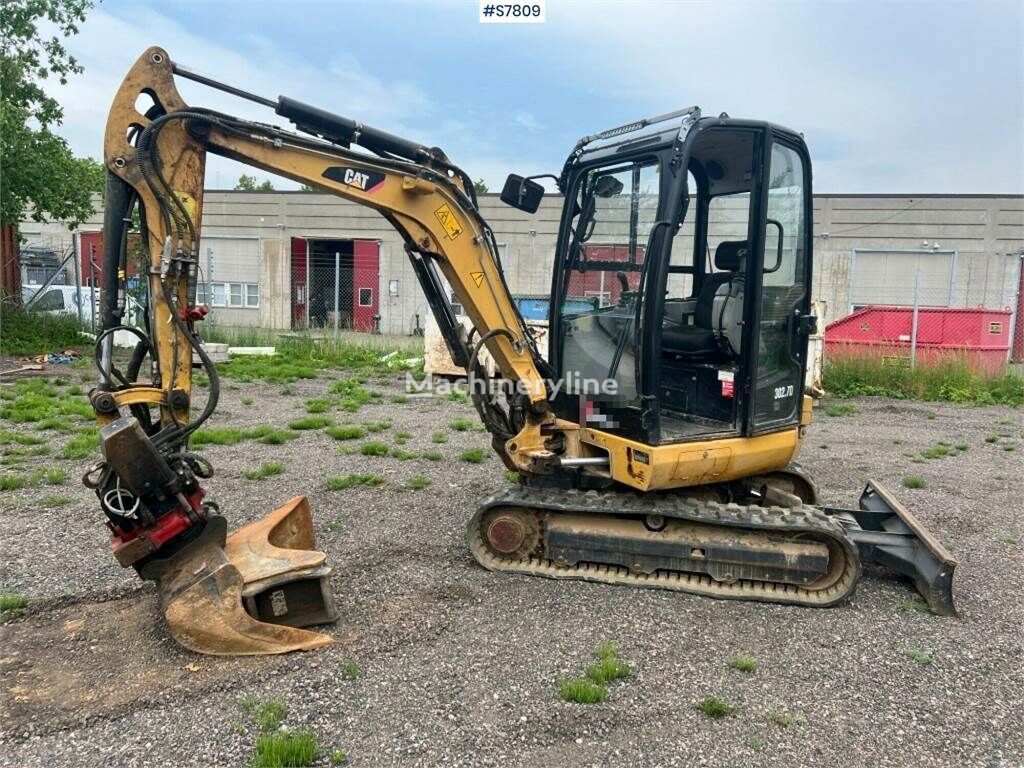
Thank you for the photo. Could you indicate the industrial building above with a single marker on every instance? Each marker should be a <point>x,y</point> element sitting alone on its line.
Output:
<point>287,260</point>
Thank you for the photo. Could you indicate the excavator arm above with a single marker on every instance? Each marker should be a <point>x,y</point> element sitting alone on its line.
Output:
<point>149,481</point>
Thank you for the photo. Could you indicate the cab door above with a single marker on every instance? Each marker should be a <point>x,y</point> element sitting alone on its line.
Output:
<point>783,322</point>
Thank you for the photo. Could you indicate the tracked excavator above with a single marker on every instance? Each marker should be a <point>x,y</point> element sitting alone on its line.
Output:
<point>655,446</point>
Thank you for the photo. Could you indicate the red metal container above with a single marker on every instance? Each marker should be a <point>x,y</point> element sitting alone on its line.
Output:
<point>980,336</point>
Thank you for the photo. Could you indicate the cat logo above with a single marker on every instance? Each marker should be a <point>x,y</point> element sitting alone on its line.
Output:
<point>361,178</point>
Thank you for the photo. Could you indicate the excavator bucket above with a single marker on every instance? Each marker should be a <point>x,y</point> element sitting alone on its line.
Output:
<point>249,593</point>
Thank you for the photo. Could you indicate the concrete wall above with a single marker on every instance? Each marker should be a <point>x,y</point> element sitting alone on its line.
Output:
<point>250,233</point>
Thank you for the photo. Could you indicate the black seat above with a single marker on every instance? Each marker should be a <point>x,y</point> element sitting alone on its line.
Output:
<point>700,339</point>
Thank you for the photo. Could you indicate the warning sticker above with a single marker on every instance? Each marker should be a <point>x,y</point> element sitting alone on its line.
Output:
<point>478,278</point>
<point>451,225</point>
<point>188,201</point>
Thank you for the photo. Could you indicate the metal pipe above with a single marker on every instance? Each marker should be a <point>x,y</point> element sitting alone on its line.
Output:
<point>337,279</point>
<point>77,243</point>
<point>585,461</point>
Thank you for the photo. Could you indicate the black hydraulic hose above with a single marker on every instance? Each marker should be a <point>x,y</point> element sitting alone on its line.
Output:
<point>120,197</point>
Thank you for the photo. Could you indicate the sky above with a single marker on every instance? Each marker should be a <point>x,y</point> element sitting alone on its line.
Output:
<point>893,97</point>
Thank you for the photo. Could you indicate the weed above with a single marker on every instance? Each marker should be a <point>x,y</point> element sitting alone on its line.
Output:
<point>457,397</point>
<point>1005,422</point>
<point>824,446</point>
<point>461,424</point>
<point>930,415</point>
<point>276,436</point>
<point>346,432</point>
<point>1008,540</point>
<point>962,446</point>
<point>34,333</point>
<point>402,437</point>
<point>56,501</point>
<point>715,707</point>
<point>432,455</point>
<point>353,394</point>
<point>913,604</point>
<point>607,649</point>
<point>474,455</point>
<point>269,469</point>
<point>840,409</point>
<point>341,482</point>
<point>608,669</point>
<point>201,380</point>
<point>991,438</point>
<point>1009,447</point>
<point>248,703</point>
<point>82,446</point>
<point>401,454</point>
<point>512,476</point>
<point>346,450</point>
<point>310,422</point>
<point>286,749</point>
<point>269,714</point>
<point>374,449</point>
<point>247,401</point>
<point>55,476</point>
<point>921,657</point>
<point>12,606</point>
<point>781,718</point>
<point>350,670</point>
<point>318,405</point>
<point>938,451</point>
<point>439,438</point>
<point>399,399</point>
<point>756,743</point>
<point>6,438</point>
<point>418,482</point>
<point>53,422</point>
<point>377,426</point>
<point>287,390</point>
<point>743,663</point>
<point>12,482</point>
<point>582,690</point>
<point>913,481</point>
<point>216,436</point>
<point>338,757</point>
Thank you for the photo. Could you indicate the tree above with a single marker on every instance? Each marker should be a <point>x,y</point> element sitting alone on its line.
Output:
<point>39,176</point>
<point>480,186</point>
<point>247,183</point>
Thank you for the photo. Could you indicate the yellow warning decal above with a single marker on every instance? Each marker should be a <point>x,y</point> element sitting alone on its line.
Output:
<point>478,278</point>
<point>451,225</point>
<point>189,202</point>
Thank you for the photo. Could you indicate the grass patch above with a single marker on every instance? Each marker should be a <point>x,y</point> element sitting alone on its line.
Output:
<point>781,718</point>
<point>55,501</point>
<point>310,422</point>
<point>399,399</point>
<point>8,437</point>
<point>318,405</point>
<point>12,482</point>
<point>951,379</point>
<point>402,437</point>
<point>939,451</point>
<point>216,436</point>
<point>913,605</point>
<point>346,432</point>
<point>921,657</point>
<point>36,333</point>
<point>246,401</point>
<point>269,469</point>
<point>439,438</point>
<point>913,482</point>
<point>353,394</point>
<point>286,749</point>
<point>272,436</point>
<point>582,690</point>
<point>338,757</point>
<point>350,670</point>
<point>432,455</point>
<point>1009,447</point>
<point>82,446</point>
<point>608,669</point>
<point>55,476</point>
<point>340,482</point>
<point>840,409</point>
<point>474,455</point>
<point>512,476</point>
<point>288,390</point>
<point>1010,541</point>
<point>461,424</point>
<point>374,448</point>
<point>757,743</point>
<point>12,606</point>
<point>743,663</point>
<point>377,426</point>
<point>418,482</point>
<point>401,454</point>
<point>715,707</point>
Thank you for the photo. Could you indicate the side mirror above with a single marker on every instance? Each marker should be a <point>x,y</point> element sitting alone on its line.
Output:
<point>522,193</point>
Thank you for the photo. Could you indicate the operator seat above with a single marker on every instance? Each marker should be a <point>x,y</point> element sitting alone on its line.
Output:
<point>719,310</point>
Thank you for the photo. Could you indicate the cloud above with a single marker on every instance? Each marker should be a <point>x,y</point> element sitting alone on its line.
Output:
<point>528,121</point>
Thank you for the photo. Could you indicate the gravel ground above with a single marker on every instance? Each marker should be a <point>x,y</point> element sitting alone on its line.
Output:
<point>458,666</point>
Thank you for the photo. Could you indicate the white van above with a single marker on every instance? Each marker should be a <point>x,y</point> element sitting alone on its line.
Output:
<point>61,300</point>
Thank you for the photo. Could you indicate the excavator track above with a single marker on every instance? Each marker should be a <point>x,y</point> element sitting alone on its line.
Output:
<point>702,548</point>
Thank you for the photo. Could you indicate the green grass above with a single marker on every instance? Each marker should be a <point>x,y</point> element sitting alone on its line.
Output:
<point>512,476</point>
<point>53,422</point>
<point>340,482</point>
<point>310,422</point>
<point>55,476</point>
<point>374,448</point>
<point>36,333</point>
<point>399,399</point>
<point>461,424</point>
<point>781,718</point>
<point>402,437</point>
<point>432,455</point>
<point>913,482</point>
<point>350,670</point>
<point>941,450</point>
<point>401,454</point>
<point>1010,541</point>
<point>82,446</point>
<point>288,390</point>
<point>216,436</point>
<point>921,657</point>
<point>353,395</point>
<point>992,438</point>
<point>582,690</point>
<point>1009,447</point>
<point>7,437</point>
<point>56,501</point>
<point>346,432</point>
<point>268,469</point>
<point>377,426</point>
<point>338,757</point>
<point>318,405</point>
<point>474,455</point>
<point>715,707</point>
<point>12,482</point>
<point>913,605</point>
<point>840,409</point>
<point>286,749</point>
<point>272,436</point>
<point>246,401</point>
<point>439,438</point>
<point>743,663</point>
<point>608,669</point>
<point>11,605</point>
<point>952,380</point>
<point>418,482</point>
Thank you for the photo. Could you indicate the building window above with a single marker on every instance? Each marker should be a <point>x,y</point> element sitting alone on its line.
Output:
<point>218,295</point>
<point>236,295</point>
<point>229,295</point>
<point>366,297</point>
<point>200,293</point>
<point>252,295</point>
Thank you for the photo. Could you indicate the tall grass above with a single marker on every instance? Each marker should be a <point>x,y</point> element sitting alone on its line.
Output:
<point>952,379</point>
<point>36,333</point>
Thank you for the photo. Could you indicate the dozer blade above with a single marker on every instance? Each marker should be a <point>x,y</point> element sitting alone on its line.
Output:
<point>249,593</point>
<point>887,534</point>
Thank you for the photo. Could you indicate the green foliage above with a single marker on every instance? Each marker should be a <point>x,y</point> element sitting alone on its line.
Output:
<point>512,476</point>
<point>346,432</point>
<point>82,446</point>
<point>461,424</point>
<point>921,657</point>
<point>11,605</point>
<point>781,718</point>
<point>268,469</point>
<point>318,405</point>
<point>439,438</point>
<point>757,742</point>
<point>401,454</point>
<point>216,436</point>
<point>840,409</point>
<point>338,757</point>
<point>286,749</point>
<point>399,399</point>
<point>607,670</point>
<point>474,455</point>
<point>743,663</point>
<point>913,605</point>
<point>269,714</point>
<point>432,455</point>
<point>55,476</point>
<point>341,482</point>
<point>12,482</point>
<point>913,482</point>
<point>952,379</point>
<point>247,183</point>
<point>350,670</point>
<point>582,690</point>
<point>377,426</point>
<point>36,333</point>
<point>418,482</point>
<point>310,422</point>
<point>40,175</point>
<point>55,501</point>
<point>272,436</point>
<point>374,449</point>
<point>941,450</point>
<point>715,707</point>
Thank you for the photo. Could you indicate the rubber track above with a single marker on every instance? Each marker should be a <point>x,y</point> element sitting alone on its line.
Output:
<point>806,522</point>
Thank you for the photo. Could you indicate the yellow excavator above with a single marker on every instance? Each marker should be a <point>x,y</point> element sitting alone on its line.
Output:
<point>655,445</point>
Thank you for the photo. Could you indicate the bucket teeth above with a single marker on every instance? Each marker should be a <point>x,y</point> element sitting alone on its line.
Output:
<point>248,593</point>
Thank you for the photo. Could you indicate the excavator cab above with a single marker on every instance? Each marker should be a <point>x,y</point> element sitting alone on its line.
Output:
<point>681,301</point>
